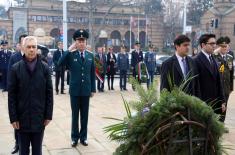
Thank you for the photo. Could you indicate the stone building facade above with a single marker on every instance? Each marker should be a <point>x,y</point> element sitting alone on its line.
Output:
<point>220,20</point>
<point>44,18</point>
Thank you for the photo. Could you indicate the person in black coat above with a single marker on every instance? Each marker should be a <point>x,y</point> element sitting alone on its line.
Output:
<point>111,70</point>
<point>59,70</point>
<point>30,98</point>
<point>208,74</point>
<point>136,57</point>
<point>16,57</point>
<point>179,68</point>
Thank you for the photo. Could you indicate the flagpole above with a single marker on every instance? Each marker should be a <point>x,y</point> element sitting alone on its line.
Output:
<point>65,25</point>
<point>138,28</point>
<point>130,31</point>
<point>185,17</point>
<point>146,30</point>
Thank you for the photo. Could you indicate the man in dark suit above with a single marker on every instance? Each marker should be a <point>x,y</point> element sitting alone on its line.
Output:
<point>59,70</point>
<point>136,57</point>
<point>81,65</point>
<point>179,68</point>
<point>5,55</point>
<point>101,57</point>
<point>16,57</point>
<point>209,76</point>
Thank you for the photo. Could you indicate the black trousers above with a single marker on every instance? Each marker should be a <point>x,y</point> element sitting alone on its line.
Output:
<point>68,77</point>
<point>33,138</point>
<point>79,104</point>
<point>100,85</point>
<point>4,78</point>
<point>16,137</point>
<point>59,75</point>
<point>135,76</point>
<point>110,79</point>
<point>123,79</point>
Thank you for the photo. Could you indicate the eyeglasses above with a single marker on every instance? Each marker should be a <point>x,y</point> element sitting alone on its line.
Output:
<point>212,43</point>
<point>31,46</point>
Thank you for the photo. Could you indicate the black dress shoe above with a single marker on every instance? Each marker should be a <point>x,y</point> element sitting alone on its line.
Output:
<point>62,93</point>
<point>74,144</point>
<point>84,143</point>
<point>57,92</point>
<point>125,89</point>
<point>15,149</point>
<point>112,88</point>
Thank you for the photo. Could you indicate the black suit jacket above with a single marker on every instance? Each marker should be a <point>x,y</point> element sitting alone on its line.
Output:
<point>136,58</point>
<point>210,84</point>
<point>56,57</point>
<point>111,64</point>
<point>171,73</point>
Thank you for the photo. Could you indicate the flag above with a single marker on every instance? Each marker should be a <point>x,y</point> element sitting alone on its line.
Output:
<point>133,22</point>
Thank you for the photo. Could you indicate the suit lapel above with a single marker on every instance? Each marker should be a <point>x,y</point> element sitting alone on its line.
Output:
<point>190,65</point>
<point>206,63</point>
<point>177,65</point>
<point>86,57</point>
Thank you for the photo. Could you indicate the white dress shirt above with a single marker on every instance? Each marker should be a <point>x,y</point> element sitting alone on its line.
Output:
<point>180,62</point>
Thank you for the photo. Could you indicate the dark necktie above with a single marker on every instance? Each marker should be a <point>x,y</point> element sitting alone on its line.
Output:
<point>185,66</point>
<point>224,57</point>
<point>82,57</point>
<point>212,63</point>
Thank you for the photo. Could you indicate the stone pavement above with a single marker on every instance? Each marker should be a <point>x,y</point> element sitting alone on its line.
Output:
<point>57,134</point>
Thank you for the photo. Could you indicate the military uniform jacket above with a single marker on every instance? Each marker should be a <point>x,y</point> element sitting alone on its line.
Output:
<point>150,61</point>
<point>4,59</point>
<point>226,71</point>
<point>123,61</point>
<point>136,58</point>
<point>82,74</point>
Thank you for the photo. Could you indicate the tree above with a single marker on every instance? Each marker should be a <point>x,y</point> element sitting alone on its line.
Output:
<point>153,6</point>
<point>3,13</point>
<point>196,8</point>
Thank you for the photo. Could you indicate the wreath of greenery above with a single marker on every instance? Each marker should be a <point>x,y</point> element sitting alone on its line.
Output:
<point>158,121</point>
<point>143,69</point>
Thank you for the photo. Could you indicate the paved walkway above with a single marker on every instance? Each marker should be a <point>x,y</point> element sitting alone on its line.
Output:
<point>109,103</point>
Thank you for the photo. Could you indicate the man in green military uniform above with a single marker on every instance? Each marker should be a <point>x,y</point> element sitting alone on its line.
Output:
<point>81,65</point>
<point>225,64</point>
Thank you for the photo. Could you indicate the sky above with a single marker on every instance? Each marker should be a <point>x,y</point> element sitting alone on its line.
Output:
<point>7,3</point>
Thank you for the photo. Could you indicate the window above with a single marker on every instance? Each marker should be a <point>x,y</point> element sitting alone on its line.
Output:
<point>33,18</point>
<point>49,18</point>
<point>39,18</point>
<point>98,21</point>
<point>44,18</point>
<point>71,20</point>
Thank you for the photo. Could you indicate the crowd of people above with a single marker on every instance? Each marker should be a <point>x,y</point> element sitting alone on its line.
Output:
<point>26,75</point>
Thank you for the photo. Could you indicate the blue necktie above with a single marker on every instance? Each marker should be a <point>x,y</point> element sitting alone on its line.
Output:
<point>185,66</point>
